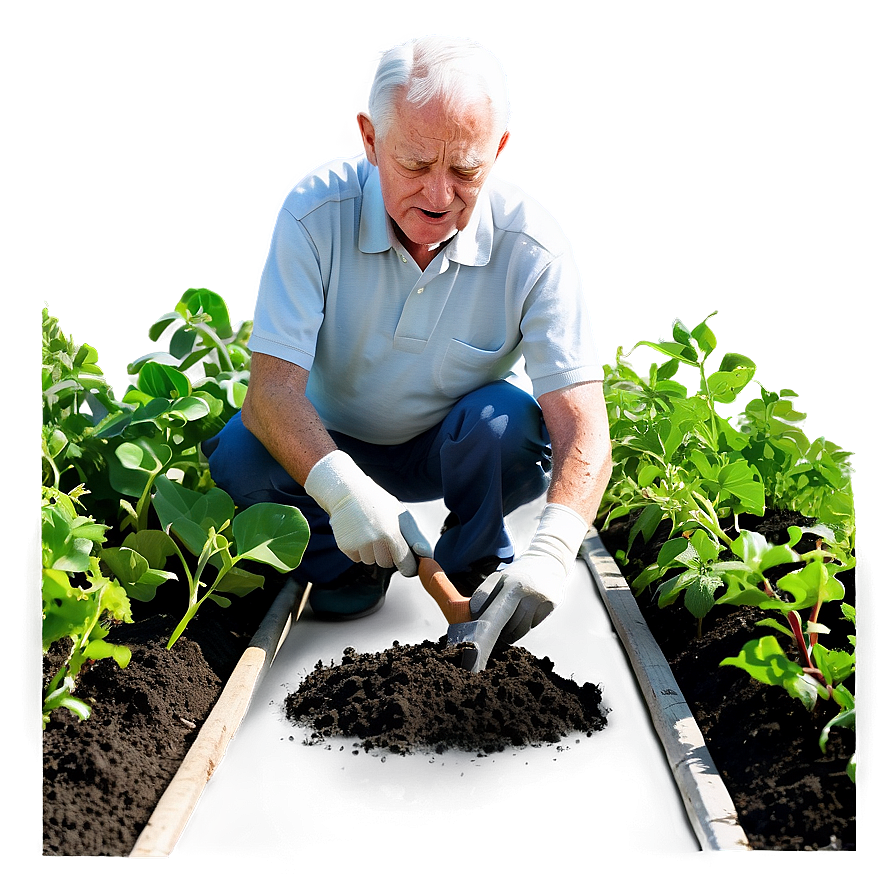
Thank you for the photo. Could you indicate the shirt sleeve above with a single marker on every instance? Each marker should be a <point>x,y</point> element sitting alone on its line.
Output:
<point>290,306</point>
<point>558,342</point>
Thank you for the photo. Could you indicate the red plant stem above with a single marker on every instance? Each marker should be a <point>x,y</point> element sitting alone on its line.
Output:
<point>813,636</point>
<point>796,626</point>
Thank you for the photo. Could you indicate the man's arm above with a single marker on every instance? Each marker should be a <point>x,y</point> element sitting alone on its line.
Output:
<point>576,418</point>
<point>535,582</point>
<point>365,518</point>
<point>278,413</point>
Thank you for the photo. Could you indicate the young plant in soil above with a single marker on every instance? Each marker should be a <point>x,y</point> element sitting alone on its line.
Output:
<point>680,463</point>
<point>134,466</point>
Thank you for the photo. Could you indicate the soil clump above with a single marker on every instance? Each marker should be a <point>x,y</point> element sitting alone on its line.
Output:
<point>417,698</point>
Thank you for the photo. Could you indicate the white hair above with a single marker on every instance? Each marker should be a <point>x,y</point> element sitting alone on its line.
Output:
<point>452,69</point>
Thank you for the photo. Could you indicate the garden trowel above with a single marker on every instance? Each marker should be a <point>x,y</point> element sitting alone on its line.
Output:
<point>477,636</point>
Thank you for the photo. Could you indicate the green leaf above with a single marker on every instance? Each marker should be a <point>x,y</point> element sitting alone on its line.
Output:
<point>274,534</point>
<point>753,548</point>
<point>60,549</point>
<point>811,584</point>
<point>113,598</point>
<point>189,408</point>
<point>99,650</point>
<point>845,719</point>
<point>647,474</point>
<point>835,665</point>
<point>707,549</point>
<point>765,661</point>
<point>240,582</point>
<point>726,385</point>
<point>773,623</point>
<point>134,464</point>
<point>190,514</point>
<point>676,549</point>
<point>700,595</point>
<point>705,337</point>
<point>163,323</point>
<point>66,609</point>
<point>154,544</point>
<point>738,479</point>
<point>125,564</point>
<point>646,524</point>
<point>162,381</point>
<point>197,301</point>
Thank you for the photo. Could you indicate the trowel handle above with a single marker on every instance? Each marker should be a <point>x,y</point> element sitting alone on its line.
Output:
<point>454,606</point>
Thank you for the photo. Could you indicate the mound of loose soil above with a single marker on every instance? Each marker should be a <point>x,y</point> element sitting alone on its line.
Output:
<point>788,794</point>
<point>417,698</point>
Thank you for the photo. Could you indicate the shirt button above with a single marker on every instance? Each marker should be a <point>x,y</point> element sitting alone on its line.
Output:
<point>403,259</point>
<point>420,290</point>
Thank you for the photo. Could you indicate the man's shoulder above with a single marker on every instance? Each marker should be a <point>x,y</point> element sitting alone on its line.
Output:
<point>516,213</point>
<point>341,180</point>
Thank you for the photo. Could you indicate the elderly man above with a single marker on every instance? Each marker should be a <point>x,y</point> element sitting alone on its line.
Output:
<point>400,290</point>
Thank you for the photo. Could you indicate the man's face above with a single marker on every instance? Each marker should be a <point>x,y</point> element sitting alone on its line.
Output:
<point>433,163</point>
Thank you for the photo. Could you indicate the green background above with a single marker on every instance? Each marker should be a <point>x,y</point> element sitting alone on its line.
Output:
<point>729,157</point>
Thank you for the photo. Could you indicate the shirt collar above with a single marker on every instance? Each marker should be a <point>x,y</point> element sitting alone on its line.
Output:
<point>375,231</point>
<point>470,246</point>
<point>473,245</point>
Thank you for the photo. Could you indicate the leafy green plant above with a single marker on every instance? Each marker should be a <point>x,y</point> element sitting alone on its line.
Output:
<point>679,463</point>
<point>820,672</point>
<point>209,528</point>
<point>78,599</point>
<point>676,450</point>
<point>151,502</point>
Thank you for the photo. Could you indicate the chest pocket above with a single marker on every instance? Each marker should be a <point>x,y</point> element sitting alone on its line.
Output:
<point>465,367</point>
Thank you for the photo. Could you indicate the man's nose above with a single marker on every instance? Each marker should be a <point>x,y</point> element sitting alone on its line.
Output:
<point>439,190</point>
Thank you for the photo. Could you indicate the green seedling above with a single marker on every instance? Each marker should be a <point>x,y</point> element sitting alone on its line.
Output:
<point>207,526</point>
<point>78,599</point>
<point>820,672</point>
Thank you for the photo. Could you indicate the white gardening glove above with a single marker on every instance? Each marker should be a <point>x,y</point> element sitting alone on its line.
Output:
<point>534,583</point>
<point>364,517</point>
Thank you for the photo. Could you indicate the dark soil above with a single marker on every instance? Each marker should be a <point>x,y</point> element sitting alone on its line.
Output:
<point>788,794</point>
<point>417,698</point>
<point>103,777</point>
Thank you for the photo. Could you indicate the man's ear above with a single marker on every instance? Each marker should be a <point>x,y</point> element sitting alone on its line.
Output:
<point>368,136</point>
<point>502,143</point>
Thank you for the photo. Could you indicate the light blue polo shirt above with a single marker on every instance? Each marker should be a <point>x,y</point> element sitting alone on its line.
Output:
<point>390,348</point>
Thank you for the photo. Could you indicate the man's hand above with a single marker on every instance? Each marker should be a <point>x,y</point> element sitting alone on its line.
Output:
<point>364,517</point>
<point>535,583</point>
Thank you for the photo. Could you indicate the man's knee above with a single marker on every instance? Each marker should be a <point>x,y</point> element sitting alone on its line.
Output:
<point>507,414</point>
<point>502,430</point>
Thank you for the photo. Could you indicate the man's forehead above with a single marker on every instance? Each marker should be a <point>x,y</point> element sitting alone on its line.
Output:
<point>440,121</point>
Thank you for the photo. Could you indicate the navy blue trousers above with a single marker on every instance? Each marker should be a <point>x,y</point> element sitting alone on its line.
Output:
<point>488,456</point>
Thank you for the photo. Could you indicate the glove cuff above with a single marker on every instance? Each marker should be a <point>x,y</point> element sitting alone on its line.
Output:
<point>332,478</point>
<point>560,534</point>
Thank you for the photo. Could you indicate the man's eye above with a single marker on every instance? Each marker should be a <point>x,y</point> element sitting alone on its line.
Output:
<point>466,173</point>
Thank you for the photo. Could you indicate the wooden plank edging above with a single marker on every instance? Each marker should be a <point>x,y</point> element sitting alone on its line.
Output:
<point>173,811</point>
<point>706,799</point>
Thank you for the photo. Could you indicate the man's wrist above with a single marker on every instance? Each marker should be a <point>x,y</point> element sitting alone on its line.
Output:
<point>560,534</point>
<point>332,478</point>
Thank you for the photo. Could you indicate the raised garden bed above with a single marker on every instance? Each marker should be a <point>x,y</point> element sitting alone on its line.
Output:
<point>103,777</point>
<point>788,794</point>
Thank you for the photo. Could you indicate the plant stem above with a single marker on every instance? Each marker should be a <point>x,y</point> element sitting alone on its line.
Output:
<point>223,354</point>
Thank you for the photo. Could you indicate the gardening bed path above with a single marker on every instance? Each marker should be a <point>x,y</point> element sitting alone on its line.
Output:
<point>102,778</point>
